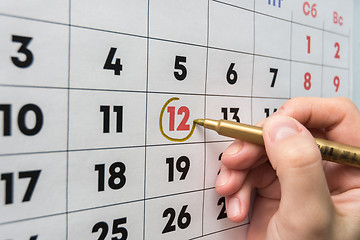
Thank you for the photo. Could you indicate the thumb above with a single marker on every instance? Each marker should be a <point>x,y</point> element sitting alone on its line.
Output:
<point>296,158</point>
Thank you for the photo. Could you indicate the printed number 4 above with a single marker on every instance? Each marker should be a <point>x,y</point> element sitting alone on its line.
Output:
<point>117,67</point>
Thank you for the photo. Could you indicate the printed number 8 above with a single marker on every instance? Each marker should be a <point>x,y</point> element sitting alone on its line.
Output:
<point>307,83</point>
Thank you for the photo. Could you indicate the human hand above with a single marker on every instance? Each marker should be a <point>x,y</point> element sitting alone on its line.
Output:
<point>298,196</point>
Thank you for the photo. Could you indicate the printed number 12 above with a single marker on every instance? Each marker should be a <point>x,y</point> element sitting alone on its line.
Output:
<point>183,126</point>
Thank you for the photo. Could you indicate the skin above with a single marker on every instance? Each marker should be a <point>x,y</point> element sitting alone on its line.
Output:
<point>298,196</point>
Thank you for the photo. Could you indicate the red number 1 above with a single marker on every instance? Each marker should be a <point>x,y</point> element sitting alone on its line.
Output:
<point>308,39</point>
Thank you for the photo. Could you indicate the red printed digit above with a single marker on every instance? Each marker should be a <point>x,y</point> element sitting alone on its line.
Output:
<point>183,126</point>
<point>309,44</point>
<point>337,83</point>
<point>171,111</point>
<point>337,46</point>
<point>307,83</point>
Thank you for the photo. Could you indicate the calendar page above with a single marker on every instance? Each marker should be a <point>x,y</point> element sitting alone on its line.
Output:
<point>98,98</point>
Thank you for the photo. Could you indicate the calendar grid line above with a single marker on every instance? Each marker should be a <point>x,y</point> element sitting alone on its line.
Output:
<point>253,69</point>
<point>107,148</point>
<point>146,116</point>
<point>291,57</point>
<point>232,5</point>
<point>68,212</point>
<point>322,62</point>
<point>68,126</point>
<point>159,92</point>
<point>205,114</point>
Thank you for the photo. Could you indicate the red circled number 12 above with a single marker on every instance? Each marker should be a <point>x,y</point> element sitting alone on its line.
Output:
<point>183,126</point>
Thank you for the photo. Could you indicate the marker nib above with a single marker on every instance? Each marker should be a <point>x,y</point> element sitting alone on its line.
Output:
<point>199,122</point>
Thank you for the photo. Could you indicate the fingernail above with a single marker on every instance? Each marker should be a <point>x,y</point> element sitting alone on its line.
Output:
<point>283,128</point>
<point>234,148</point>
<point>223,177</point>
<point>233,208</point>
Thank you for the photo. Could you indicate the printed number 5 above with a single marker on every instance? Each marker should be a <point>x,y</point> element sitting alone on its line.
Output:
<point>24,50</point>
<point>179,65</point>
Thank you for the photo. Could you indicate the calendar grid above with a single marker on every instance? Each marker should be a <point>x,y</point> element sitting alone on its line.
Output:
<point>148,92</point>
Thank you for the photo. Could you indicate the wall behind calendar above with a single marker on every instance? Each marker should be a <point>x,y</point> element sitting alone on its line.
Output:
<point>356,54</point>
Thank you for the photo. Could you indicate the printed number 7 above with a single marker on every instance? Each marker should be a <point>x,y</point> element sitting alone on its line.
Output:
<point>275,72</point>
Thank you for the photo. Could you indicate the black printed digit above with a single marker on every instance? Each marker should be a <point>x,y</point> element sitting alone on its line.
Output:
<point>222,213</point>
<point>29,58</point>
<point>38,123</point>
<point>104,229</point>
<point>181,72</point>
<point>117,67</point>
<point>231,75</point>
<point>6,108</point>
<point>169,227</point>
<point>267,112</point>
<point>275,72</point>
<point>219,160</point>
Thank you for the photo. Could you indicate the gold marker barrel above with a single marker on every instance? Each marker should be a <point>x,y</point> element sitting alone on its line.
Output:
<point>340,153</point>
<point>248,133</point>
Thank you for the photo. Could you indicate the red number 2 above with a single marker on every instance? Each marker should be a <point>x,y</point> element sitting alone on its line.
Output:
<point>337,45</point>
<point>183,126</point>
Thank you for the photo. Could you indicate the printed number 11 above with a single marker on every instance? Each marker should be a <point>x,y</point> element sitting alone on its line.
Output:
<point>106,119</point>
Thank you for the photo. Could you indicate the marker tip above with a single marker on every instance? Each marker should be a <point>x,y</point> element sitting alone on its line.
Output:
<point>199,122</point>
